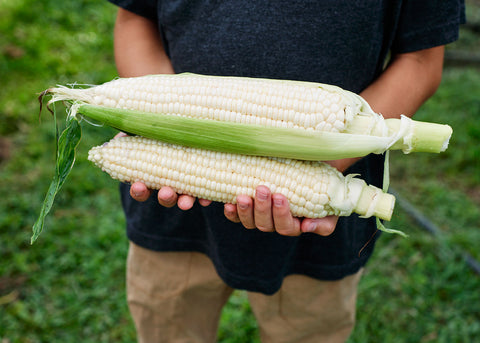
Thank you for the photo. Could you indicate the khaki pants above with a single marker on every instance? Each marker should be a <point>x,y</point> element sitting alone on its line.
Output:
<point>178,297</point>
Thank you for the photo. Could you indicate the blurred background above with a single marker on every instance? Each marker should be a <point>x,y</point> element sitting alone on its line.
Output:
<point>69,286</point>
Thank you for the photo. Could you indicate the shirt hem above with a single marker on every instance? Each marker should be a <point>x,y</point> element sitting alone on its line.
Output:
<point>321,272</point>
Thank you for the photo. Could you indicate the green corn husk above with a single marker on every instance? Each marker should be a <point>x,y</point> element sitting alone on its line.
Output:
<point>252,139</point>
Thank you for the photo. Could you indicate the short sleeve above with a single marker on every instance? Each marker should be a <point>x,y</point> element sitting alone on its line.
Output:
<point>144,8</point>
<point>428,23</point>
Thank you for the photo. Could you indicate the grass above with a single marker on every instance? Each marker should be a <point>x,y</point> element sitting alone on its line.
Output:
<point>447,187</point>
<point>70,287</point>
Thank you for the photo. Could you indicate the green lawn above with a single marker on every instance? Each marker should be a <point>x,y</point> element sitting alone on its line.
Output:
<point>69,286</point>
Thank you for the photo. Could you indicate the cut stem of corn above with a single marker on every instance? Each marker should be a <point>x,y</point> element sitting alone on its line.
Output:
<point>313,189</point>
<point>304,108</point>
<point>412,135</point>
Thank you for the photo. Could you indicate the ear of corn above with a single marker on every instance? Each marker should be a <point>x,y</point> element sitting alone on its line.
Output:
<point>312,120</point>
<point>314,189</point>
<point>237,138</point>
<point>287,121</point>
<point>266,102</point>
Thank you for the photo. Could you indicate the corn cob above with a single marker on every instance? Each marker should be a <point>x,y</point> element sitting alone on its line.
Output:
<point>264,102</point>
<point>292,119</point>
<point>314,189</point>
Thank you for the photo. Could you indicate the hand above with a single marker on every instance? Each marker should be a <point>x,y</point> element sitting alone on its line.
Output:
<point>271,212</point>
<point>267,212</point>
<point>166,196</point>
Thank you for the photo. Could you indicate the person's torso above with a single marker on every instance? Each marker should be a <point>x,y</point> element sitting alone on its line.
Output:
<point>334,41</point>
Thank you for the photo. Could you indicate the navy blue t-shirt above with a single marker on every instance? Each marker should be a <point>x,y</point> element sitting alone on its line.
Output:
<point>340,42</point>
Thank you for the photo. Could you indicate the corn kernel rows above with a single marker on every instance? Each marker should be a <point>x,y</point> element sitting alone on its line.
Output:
<point>217,176</point>
<point>252,101</point>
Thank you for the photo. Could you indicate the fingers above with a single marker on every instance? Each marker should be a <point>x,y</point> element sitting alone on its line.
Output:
<point>204,202</point>
<point>322,226</point>
<point>265,212</point>
<point>139,191</point>
<point>285,223</point>
<point>120,134</point>
<point>271,212</point>
<point>230,211</point>
<point>245,211</point>
<point>185,202</point>
<point>262,209</point>
<point>167,197</point>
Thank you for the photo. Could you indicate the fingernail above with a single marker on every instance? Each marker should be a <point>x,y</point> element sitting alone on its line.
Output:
<point>242,205</point>
<point>278,202</point>
<point>262,196</point>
